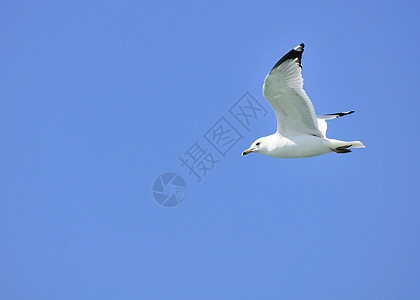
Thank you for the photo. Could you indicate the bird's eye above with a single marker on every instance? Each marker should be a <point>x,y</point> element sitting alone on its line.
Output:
<point>257,144</point>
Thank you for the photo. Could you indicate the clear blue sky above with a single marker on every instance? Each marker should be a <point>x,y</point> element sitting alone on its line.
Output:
<point>99,98</point>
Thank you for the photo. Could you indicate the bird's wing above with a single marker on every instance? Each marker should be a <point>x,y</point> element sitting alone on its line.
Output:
<point>283,88</point>
<point>336,115</point>
<point>322,124</point>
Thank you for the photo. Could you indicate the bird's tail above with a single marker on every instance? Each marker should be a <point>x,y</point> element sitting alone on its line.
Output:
<point>343,147</point>
<point>357,144</point>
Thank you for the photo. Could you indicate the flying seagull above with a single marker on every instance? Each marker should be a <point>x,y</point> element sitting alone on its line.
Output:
<point>300,132</point>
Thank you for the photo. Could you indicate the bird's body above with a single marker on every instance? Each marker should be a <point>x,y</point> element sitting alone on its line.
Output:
<point>300,132</point>
<point>295,146</point>
<point>300,146</point>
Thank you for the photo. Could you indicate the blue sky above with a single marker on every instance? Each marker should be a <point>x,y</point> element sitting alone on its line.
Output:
<point>100,98</point>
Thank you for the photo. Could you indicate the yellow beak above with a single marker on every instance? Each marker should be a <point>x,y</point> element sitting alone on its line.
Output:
<point>247,151</point>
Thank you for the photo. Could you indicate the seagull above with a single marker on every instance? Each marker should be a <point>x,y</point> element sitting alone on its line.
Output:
<point>300,132</point>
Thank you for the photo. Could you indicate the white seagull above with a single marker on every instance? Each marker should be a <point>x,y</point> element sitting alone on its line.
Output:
<point>300,132</point>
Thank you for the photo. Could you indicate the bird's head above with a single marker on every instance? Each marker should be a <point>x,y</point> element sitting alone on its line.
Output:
<point>256,146</point>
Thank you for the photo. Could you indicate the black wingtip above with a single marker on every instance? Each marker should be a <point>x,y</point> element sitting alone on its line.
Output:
<point>342,114</point>
<point>292,54</point>
<point>347,113</point>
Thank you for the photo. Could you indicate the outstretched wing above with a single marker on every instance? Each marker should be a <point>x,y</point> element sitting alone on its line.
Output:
<point>322,124</point>
<point>283,88</point>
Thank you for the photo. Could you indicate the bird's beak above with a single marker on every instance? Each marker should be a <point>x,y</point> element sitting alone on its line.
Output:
<point>247,151</point>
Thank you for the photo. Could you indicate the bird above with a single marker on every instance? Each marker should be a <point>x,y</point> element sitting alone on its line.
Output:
<point>300,132</point>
